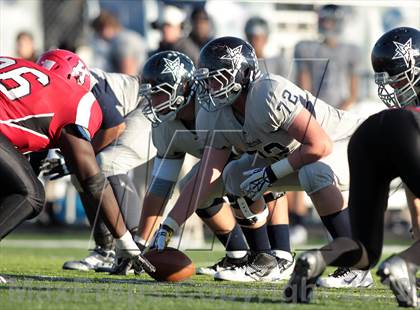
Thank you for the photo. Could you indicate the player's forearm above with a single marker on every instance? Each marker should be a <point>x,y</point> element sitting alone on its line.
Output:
<point>309,153</point>
<point>105,137</point>
<point>195,193</point>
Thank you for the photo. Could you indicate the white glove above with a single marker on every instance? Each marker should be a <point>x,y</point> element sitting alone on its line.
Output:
<point>257,182</point>
<point>162,238</point>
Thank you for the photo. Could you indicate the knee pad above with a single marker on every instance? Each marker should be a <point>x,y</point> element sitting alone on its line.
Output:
<point>249,218</point>
<point>271,196</point>
<point>211,210</point>
<point>95,185</point>
<point>315,176</point>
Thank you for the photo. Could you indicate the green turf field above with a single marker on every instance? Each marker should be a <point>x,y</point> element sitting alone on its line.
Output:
<point>38,282</point>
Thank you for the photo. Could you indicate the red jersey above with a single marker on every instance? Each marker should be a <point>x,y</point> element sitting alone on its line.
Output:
<point>36,104</point>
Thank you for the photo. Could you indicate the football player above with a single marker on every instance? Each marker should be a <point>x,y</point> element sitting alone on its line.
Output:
<point>119,146</point>
<point>169,93</point>
<point>290,135</point>
<point>41,110</point>
<point>385,146</point>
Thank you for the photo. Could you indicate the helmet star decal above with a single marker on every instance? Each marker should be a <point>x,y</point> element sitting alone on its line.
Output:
<point>405,51</point>
<point>174,67</point>
<point>234,55</point>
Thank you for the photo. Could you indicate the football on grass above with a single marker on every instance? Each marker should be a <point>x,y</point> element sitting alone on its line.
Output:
<point>171,265</point>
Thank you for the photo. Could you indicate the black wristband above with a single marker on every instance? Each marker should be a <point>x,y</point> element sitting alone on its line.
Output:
<point>270,174</point>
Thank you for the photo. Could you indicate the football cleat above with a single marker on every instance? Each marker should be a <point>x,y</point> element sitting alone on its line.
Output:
<point>98,258</point>
<point>2,280</point>
<point>285,268</point>
<point>264,267</point>
<point>309,267</point>
<point>344,277</point>
<point>224,264</point>
<point>401,278</point>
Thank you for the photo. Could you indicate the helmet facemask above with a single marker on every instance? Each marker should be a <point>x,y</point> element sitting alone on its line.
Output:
<point>399,90</point>
<point>217,88</point>
<point>171,98</point>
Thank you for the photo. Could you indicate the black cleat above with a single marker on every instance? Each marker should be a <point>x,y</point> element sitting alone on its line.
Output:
<point>309,267</point>
<point>400,276</point>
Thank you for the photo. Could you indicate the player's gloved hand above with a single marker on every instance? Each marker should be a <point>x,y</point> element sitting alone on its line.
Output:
<point>127,248</point>
<point>54,168</point>
<point>122,266</point>
<point>162,238</point>
<point>257,183</point>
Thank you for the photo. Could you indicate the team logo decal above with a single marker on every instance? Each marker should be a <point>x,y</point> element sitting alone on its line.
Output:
<point>174,67</point>
<point>80,72</point>
<point>405,51</point>
<point>235,56</point>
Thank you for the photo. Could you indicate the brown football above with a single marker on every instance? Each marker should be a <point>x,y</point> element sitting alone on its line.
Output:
<point>171,265</point>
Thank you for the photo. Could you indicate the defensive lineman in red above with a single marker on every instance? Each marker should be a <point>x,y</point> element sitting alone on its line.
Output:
<point>40,108</point>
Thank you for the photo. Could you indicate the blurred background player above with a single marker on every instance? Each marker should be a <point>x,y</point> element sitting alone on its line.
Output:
<point>25,47</point>
<point>122,50</point>
<point>257,33</point>
<point>201,27</point>
<point>170,23</point>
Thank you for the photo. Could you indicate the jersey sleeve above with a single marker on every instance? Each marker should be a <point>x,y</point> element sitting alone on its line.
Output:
<point>89,114</point>
<point>274,104</point>
<point>162,137</point>
<point>107,102</point>
<point>211,130</point>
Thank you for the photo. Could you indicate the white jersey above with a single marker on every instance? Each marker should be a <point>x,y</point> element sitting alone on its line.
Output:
<point>173,139</point>
<point>125,88</point>
<point>272,105</point>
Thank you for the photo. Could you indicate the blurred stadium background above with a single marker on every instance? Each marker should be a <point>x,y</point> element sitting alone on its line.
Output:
<point>70,24</point>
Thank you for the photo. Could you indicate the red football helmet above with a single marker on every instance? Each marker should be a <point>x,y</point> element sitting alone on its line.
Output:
<point>68,65</point>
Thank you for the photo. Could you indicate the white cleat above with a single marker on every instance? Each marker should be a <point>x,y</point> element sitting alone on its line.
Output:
<point>347,278</point>
<point>2,280</point>
<point>263,267</point>
<point>98,258</point>
<point>224,264</point>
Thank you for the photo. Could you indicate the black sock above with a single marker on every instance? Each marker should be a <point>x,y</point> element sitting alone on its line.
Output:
<point>296,219</point>
<point>279,237</point>
<point>234,241</point>
<point>338,224</point>
<point>344,252</point>
<point>257,239</point>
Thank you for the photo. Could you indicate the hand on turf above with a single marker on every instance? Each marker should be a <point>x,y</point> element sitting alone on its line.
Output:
<point>141,263</point>
<point>257,183</point>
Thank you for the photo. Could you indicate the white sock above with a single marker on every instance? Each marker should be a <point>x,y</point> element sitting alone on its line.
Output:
<point>141,241</point>
<point>126,247</point>
<point>236,254</point>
